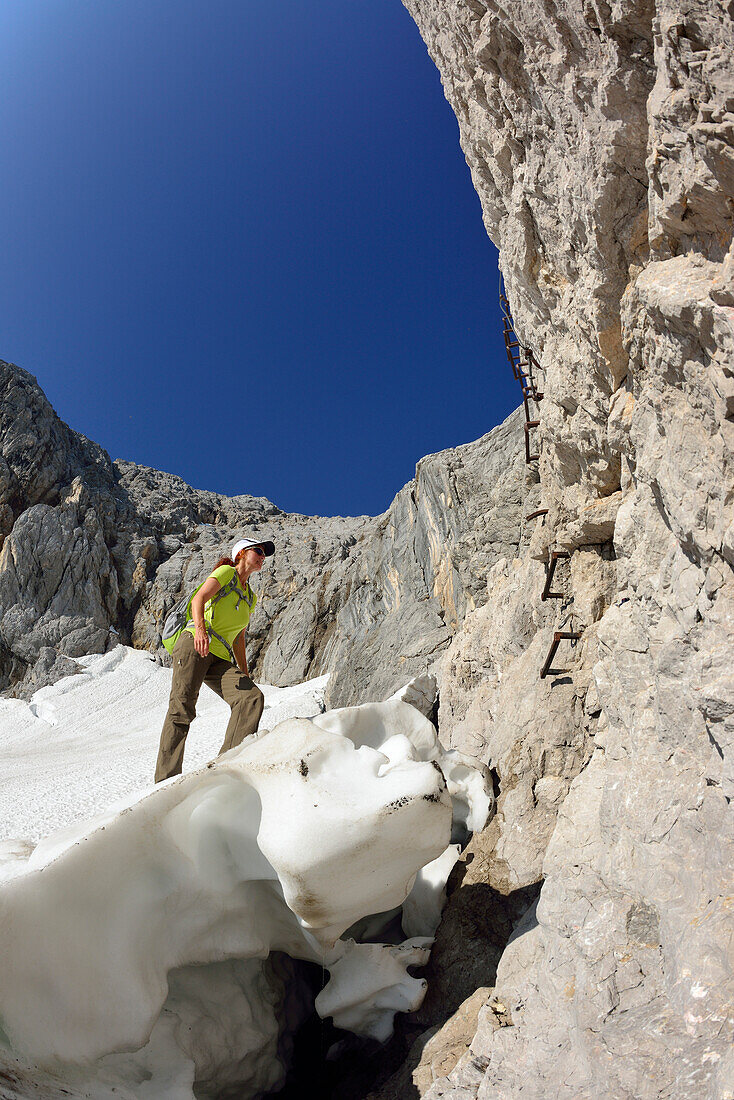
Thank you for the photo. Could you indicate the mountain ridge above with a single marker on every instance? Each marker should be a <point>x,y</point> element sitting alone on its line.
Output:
<point>138,538</point>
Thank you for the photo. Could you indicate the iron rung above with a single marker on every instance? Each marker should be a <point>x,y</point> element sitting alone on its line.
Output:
<point>546,593</point>
<point>558,637</point>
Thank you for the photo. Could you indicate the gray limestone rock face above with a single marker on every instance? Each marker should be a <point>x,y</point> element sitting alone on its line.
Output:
<point>424,565</point>
<point>600,142</point>
<point>551,105</point>
<point>534,734</point>
<point>39,454</point>
<point>57,584</point>
<point>49,667</point>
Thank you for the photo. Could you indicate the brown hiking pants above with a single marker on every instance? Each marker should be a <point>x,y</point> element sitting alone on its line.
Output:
<point>190,671</point>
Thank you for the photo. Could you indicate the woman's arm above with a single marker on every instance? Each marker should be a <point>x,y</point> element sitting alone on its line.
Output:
<point>209,588</point>
<point>238,645</point>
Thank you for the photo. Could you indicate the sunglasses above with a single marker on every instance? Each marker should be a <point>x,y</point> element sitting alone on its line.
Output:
<point>258,550</point>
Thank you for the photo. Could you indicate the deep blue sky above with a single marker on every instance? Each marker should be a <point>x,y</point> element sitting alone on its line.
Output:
<point>240,242</point>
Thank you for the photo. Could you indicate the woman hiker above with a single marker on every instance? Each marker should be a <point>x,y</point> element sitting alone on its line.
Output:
<point>204,651</point>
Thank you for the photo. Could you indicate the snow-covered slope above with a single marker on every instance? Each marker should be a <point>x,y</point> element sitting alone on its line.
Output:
<point>153,949</point>
<point>92,739</point>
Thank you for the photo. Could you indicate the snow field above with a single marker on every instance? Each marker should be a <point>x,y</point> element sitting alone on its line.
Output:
<point>91,740</point>
<point>150,944</point>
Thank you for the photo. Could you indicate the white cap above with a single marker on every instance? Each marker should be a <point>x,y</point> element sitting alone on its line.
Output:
<point>243,544</point>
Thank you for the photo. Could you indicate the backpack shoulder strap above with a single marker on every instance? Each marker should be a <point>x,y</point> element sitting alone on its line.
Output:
<point>230,586</point>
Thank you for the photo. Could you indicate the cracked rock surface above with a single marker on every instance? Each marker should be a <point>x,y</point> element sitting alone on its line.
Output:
<point>599,137</point>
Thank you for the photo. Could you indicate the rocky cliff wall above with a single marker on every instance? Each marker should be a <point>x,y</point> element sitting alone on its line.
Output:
<point>94,551</point>
<point>599,136</point>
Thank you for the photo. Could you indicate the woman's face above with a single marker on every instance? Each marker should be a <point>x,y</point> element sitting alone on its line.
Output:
<point>254,558</point>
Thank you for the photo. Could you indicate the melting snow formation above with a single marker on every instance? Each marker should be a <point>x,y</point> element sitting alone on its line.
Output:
<point>153,948</point>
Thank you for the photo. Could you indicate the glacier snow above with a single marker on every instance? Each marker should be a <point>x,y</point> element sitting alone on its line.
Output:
<point>153,947</point>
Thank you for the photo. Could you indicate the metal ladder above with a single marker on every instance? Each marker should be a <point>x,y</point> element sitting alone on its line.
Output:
<point>525,368</point>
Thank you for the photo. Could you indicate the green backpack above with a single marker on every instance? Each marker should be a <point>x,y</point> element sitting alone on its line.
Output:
<point>179,617</point>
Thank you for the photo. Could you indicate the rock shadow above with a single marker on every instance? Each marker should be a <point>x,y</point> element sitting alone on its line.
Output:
<point>478,922</point>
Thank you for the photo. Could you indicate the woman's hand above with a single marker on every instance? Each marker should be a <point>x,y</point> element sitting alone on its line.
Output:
<point>201,641</point>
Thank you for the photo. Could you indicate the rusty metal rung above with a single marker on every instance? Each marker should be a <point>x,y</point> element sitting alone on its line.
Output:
<point>558,637</point>
<point>554,557</point>
<point>540,512</point>
<point>531,424</point>
<point>529,383</point>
